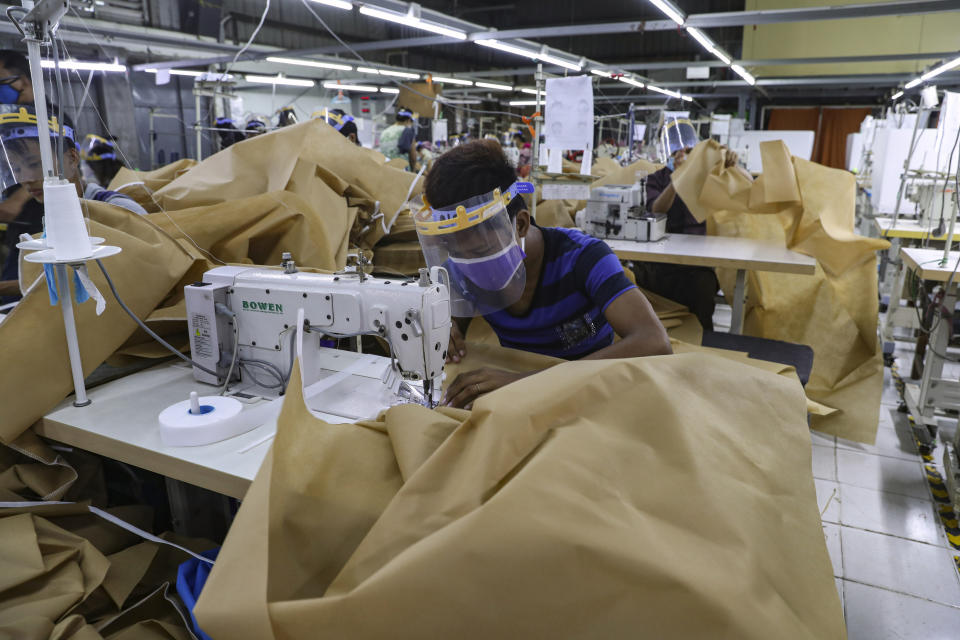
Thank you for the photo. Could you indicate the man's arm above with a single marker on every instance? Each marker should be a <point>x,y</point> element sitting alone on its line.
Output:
<point>641,333</point>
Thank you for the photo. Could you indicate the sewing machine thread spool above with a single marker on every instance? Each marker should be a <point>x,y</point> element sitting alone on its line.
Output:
<point>202,420</point>
<point>66,229</point>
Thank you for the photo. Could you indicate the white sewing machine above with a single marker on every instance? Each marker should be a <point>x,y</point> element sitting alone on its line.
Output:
<point>620,212</point>
<point>243,322</point>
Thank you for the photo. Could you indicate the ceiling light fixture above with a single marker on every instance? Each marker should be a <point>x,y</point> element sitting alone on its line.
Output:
<point>493,85</point>
<point>79,65</point>
<point>444,80</point>
<point>601,73</point>
<point>523,103</point>
<point>631,81</point>
<point>349,87</point>
<point>179,72</point>
<point>946,66</point>
<point>389,90</point>
<point>740,71</point>
<point>912,83</point>
<point>411,19</point>
<point>311,63</point>
<point>336,4</point>
<point>290,82</point>
<point>669,10</point>
<point>708,44</point>
<point>666,92</point>
<point>896,96</point>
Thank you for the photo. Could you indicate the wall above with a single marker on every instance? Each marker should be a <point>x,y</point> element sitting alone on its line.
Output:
<point>934,32</point>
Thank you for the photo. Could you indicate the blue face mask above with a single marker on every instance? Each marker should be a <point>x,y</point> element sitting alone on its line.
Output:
<point>670,163</point>
<point>8,95</point>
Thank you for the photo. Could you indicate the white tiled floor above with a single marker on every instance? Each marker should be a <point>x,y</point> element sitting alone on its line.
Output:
<point>895,570</point>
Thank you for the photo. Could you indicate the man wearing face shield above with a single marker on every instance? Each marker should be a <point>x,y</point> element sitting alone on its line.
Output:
<point>21,172</point>
<point>343,122</point>
<point>693,287</point>
<point>558,292</point>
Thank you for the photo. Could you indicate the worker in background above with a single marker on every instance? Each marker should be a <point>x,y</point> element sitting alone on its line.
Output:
<point>228,133</point>
<point>22,171</point>
<point>694,287</point>
<point>255,127</point>
<point>15,84</point>
<point>100,155</point>
<point>553,291</point>
<point>286,117</point>
<point>397,140</point>
<point>343,122</point>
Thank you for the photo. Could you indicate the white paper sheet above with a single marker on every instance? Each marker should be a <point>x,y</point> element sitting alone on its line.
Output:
<point>569,113</point>
<point>555,161</point>
<point>586,165</point>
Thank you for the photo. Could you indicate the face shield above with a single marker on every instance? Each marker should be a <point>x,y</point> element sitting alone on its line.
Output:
<point>476,242</point>
<point>96,148</point>
<point>20,161</point>
<point>676,133</point>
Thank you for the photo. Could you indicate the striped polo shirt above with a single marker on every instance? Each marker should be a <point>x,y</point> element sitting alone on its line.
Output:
<point>579,279</point>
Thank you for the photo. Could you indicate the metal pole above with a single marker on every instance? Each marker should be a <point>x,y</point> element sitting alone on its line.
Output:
<point>197,128</point>
<point>631,119</point>
<point>906,167</point>
<point>73,344</point>
<point>40,105</point>
<point>153,143</point>
<point>535,156</point>
<point>953,221</point>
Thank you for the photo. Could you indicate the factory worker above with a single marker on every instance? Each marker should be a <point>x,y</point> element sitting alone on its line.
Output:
<point>397,140</point>
<point>21,173</point>
<point>693,287</point>
<point>15,84</point>
<point>286,117</point>
<point>557,292</point>
<point>255,127</point>
<point>343,122</point>
<point>228,133</point>
<point>100,156</point>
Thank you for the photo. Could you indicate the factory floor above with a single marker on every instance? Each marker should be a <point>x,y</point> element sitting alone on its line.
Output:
<point>895,570</point>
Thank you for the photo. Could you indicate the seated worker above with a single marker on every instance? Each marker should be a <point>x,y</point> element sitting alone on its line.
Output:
<point>100,155</point>
<point>255,127</point>
<point>557,292</point>
<point>693,287</point>
<point>22,173</point>
<point>343,122</point>
<point>286,117</point>
<point>16,87</point>
<point>397,140</point>
<point>227,132</point>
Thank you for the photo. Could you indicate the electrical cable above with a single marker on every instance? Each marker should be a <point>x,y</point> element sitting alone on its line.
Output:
<point>147,329</point>
<point>233,358</point>
<point>59,96</point>
<point>253,36</point>
<point>266,366</point>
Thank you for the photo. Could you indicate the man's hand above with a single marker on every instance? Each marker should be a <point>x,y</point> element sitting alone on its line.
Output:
<point>12,206</point>
<point>457,348</point>
<point>470,385</point>
<point>729,159</point>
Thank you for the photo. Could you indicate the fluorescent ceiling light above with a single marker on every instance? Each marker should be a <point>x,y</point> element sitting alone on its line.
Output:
<point>388,72</point>
<point>532,92</point>
<point>463,101</point>
<point>290,82</point>
<point>523,103</point>
<point>601,73</point>
<point>687,98</point>
<point>496,44</point>
<point>79,65</point>
<point>389,90</point>
<point>311,63</point>
<point>740,71</point>
<point>560,62</point>
<point>493,85</point>
<point>441,80</point>
<point>631,81</point>
<point>666,92</point>
<point>349,87</point>
<point>336,4</point>
<point>946,66</point>
<point>897,95</point>
<point>669,10</point>
<point>412,21</point>
<point>912,83</point>
<point>180,72</point>
<point>708,44</point>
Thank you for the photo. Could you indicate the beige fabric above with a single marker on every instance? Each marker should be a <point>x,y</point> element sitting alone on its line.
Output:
<point>604,499</point>
<point>808,208</point>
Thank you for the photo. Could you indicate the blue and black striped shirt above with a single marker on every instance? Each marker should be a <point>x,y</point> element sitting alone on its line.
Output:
<point>579,279</point>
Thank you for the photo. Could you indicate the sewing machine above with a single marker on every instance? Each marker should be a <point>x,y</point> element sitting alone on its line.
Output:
<point>619,212</point>
<point>243,323</point>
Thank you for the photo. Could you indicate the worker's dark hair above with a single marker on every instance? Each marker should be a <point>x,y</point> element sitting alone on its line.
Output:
<point>348,127</point>
<point>472,169</point>
<point>15,61</point>
<point>404,115</point>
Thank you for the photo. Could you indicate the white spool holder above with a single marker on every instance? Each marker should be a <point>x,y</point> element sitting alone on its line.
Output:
<point>67,243</point>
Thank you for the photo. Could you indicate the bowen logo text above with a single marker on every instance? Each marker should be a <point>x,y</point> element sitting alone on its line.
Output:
<point>263,307</point>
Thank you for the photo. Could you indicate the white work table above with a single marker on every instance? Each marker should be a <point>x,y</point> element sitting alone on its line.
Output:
<point>927,263</point>
<point>911,229</point>
<point>742,254</point>
<point>122,423</point>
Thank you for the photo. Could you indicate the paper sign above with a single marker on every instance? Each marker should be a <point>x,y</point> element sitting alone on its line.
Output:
<point>544,156</point>
<point>586,165</point>
<point>569,113</point>
<point>639,130</point>
<point>555,161</point>
<point>439,131</point>
<point>572,191</point>
<point>163,76</point>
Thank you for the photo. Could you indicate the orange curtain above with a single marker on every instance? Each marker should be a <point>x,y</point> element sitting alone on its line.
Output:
<point>830,127</point>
